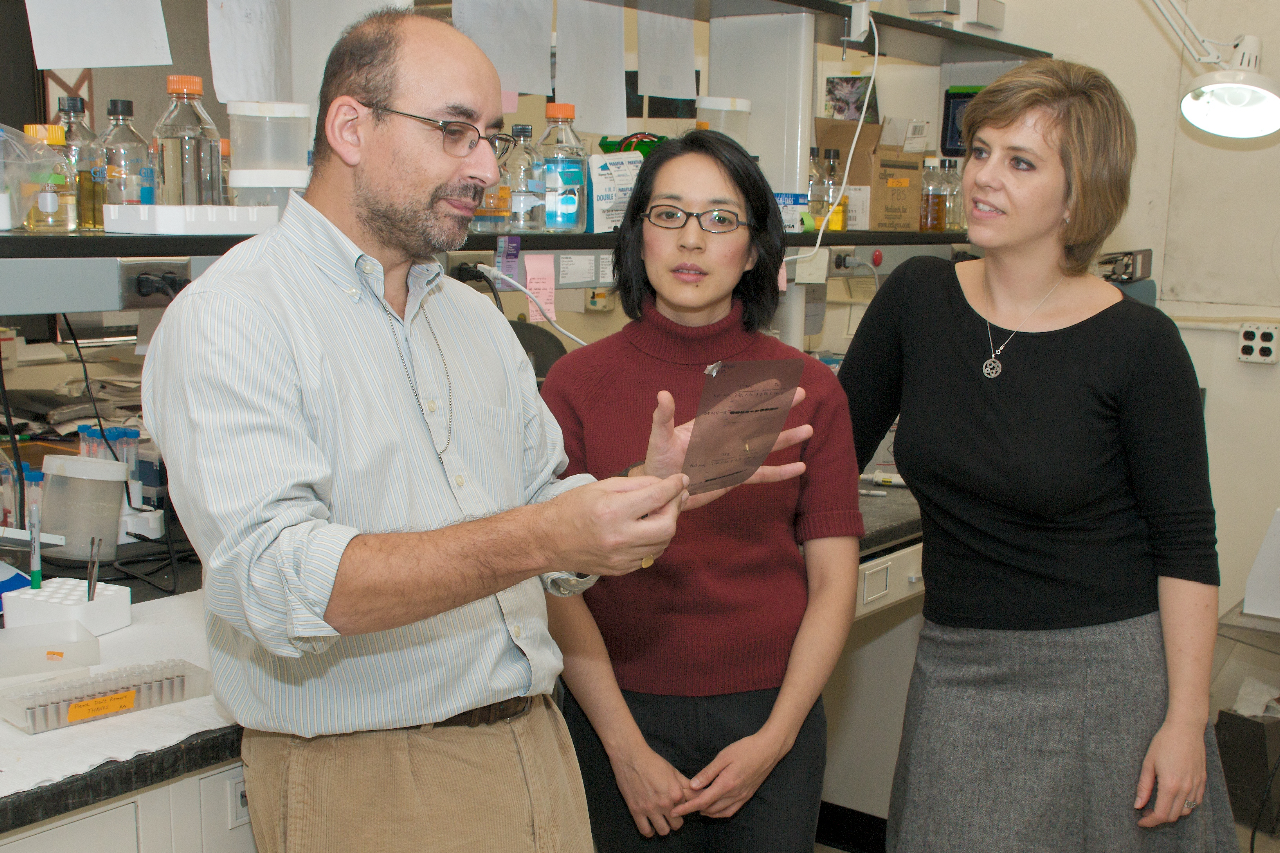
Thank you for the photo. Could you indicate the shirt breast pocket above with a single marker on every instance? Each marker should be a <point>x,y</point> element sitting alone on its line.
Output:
<point>491,441</point>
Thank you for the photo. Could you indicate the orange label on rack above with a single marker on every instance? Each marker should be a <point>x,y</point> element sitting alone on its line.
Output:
<point>52,655</point>
<point>100,706</point>
<point>898,182</point>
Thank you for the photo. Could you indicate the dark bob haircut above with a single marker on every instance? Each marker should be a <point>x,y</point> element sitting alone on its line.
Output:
<point>758,287</point>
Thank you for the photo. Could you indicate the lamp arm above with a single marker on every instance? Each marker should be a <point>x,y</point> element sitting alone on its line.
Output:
<point>1200,50</point>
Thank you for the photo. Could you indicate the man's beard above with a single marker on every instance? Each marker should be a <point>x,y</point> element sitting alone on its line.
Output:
<point>416,229</point>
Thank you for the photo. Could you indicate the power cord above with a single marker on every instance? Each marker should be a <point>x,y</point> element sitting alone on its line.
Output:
<point>20,509</point>
<point>1262,806</point>
<point>491,272</point>
<point>848,160</point>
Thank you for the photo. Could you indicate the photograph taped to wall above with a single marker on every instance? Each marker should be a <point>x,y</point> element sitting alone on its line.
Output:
<point>845,96</point>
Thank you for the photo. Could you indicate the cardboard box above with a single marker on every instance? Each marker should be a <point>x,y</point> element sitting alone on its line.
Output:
<point>838,134</point>
<point>895,189</point>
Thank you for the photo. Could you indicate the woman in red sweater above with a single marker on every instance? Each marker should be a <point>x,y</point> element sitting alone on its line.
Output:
<point>694,685</point>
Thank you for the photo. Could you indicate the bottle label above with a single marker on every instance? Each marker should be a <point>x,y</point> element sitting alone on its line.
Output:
<point>522,203</point>
<point>564,193</point>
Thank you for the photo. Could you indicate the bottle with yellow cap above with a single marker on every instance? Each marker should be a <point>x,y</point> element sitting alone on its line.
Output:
<point>52,190</point>
<point>189,163</point>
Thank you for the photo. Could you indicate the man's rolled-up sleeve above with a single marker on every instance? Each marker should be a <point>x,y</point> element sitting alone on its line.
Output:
<point>223,399</point>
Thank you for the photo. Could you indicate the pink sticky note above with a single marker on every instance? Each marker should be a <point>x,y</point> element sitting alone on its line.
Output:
<point>540,278</point>
<point>510,101</point>
<point>782,278</point>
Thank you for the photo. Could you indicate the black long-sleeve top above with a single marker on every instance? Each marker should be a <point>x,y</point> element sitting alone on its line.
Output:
<point>1054,495</point>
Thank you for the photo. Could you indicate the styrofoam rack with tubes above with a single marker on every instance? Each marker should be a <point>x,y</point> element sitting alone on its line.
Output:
<point>67,600</point>
<point>66,701</point>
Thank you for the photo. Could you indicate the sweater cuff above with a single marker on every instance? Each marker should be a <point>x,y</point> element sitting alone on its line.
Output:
<point>824,525</point>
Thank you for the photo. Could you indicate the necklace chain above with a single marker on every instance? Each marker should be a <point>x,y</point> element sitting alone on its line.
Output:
<point>992,367</point>
<point>413,386</point>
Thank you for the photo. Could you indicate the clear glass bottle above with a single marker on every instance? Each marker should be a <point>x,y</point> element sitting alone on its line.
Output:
<point>527,175</point>
<point>817,192</point>
<point>955,196</point>
<point>54,208</point>
<point>837,204</point>
<point>124,156</point>
<point>565,165</point>
<point>933,197</point>
<point>494,212</point>
<point>82,154</point>
<point>224,164</point>
<point>189,166</point>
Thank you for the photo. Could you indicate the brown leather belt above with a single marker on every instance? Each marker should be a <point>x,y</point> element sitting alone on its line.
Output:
<point>486,715</point>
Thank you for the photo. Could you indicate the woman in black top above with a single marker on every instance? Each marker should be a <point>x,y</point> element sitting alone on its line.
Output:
<point>1052,432</point>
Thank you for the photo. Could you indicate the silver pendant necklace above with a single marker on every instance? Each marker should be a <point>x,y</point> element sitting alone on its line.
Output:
<point>991,368</point>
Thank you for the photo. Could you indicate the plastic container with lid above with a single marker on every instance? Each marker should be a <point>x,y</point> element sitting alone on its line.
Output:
<point>269,145</point>
<point>189,161</point>
<point>727,115</point>
<point>50,192</point>
<point>82,500</point>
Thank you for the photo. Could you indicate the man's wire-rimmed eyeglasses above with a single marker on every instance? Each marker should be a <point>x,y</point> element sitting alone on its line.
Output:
<point>460,137</point>
<point>670,216</point>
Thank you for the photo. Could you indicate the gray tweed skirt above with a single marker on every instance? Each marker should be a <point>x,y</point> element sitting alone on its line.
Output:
<point>1025,741</point>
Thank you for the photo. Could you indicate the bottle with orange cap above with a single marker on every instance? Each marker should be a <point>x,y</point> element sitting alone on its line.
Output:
<point>189,162</point>
<point>52,190</point>
<point>565,166</point>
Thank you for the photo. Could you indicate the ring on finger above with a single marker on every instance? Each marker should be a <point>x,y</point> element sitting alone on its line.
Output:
<point>646,561</point>
<point>1190,804</point>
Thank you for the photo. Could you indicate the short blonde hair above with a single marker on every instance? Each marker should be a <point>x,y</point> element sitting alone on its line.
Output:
<point>1097,142</point>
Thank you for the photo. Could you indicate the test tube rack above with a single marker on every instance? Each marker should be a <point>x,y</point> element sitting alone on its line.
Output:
<point>67,599</point>
<point>69,700</point>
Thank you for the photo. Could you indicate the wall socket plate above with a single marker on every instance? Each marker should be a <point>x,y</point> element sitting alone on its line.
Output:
<point>131,268</point>
<point>1258,343</point>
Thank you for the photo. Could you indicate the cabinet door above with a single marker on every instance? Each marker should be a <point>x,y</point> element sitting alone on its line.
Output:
<point>112,831</point>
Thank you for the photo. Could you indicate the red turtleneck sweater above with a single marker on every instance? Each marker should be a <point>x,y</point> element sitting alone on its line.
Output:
<point>719,610</point>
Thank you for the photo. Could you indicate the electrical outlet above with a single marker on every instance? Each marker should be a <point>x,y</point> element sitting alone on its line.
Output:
<point>1258,343</point>
<point>133,297</point>
<point>599,299</point>
<point>239,805</point>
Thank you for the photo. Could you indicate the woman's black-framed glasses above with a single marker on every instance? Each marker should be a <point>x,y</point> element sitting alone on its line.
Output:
<point>716,222</point>
<point>460,137</point>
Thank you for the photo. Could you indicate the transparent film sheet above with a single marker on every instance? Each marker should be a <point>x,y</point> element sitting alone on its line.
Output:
<point>743,408</point>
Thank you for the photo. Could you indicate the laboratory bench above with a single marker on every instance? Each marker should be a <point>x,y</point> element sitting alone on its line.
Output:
<point>892,522</point>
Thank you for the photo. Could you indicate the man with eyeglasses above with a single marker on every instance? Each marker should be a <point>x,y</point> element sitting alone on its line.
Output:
<point>359,455</point>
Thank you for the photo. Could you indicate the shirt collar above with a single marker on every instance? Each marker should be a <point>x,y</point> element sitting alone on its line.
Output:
<point>353,271</point>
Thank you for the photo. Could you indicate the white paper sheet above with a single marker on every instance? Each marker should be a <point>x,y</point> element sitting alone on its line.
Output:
<point>515,35</point>
<point>310,44</point>
<point>249,50</point>
<point>590,72</point>
<point>98,33</point>
<point>664,30</point>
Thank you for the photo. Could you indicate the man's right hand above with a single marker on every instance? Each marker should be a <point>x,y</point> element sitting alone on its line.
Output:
<point>614,526</point>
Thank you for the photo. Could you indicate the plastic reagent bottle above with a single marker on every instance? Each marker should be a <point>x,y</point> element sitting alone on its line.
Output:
<point>527,175</point>
<point>955,197</point>
<point>817,192</point>
<point>54,208</point>
<point>189,147</point>
<point>564,161</point>
<point>495,209</point>
<point>82,154</point>
<point>836,203</point>
<point>124,158</point>
<point>933,197</point>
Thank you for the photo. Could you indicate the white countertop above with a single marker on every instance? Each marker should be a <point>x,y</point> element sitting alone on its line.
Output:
<point>162,629</point>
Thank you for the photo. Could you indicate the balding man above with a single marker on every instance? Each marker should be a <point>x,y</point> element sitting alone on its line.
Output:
<point>359,455</point>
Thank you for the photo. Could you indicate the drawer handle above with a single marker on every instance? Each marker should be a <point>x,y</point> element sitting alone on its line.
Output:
<point>914,578</point>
